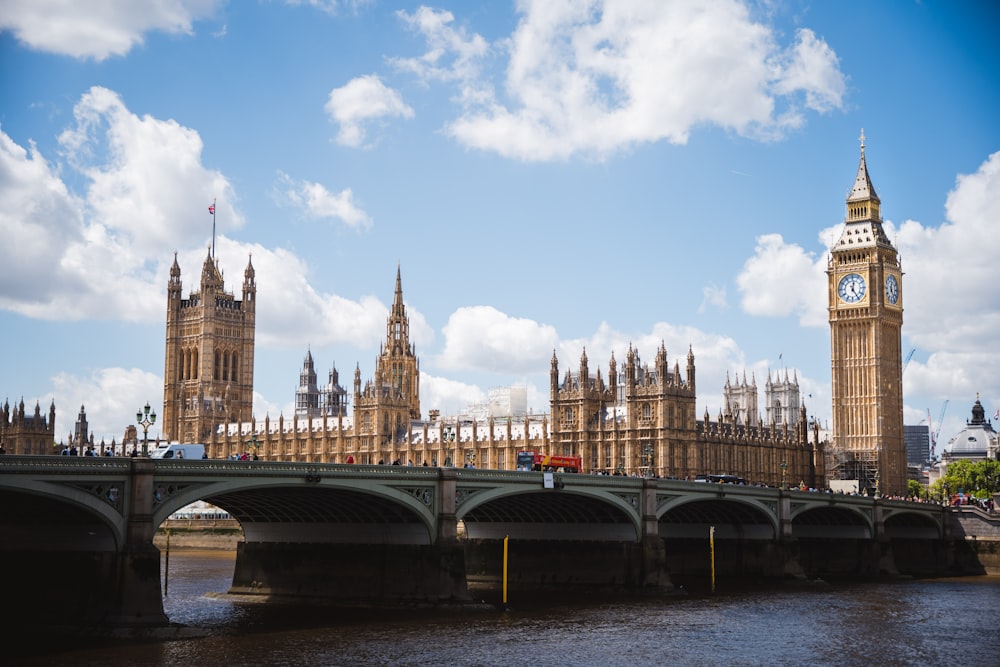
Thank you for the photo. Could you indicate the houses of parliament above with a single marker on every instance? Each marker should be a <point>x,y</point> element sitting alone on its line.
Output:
<point>642,420</point>
<point>637,418</point>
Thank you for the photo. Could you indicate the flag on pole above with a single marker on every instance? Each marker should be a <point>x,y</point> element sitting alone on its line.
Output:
<point>211,209</point>
<point>996,415</point>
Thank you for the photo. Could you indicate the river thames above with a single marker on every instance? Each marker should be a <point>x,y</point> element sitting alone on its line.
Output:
<point>910,622</point>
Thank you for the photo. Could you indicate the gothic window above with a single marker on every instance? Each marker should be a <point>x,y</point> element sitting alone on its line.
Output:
<point>216,367</point>
<point>647,412</point>
<point>225,367</point>
<point>233,367</point>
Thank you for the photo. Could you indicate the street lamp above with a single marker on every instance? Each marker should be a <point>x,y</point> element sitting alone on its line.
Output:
<point>145,420</point>
<point>648,453</point>
<point>254,444</point>
<point>448,439</point>
<point>784,472</point>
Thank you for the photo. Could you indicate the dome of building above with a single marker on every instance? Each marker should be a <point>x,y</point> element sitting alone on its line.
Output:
<point>973,441</point>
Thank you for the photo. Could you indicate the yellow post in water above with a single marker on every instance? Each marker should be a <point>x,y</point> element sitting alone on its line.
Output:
<point>166,569</point>
<point>711,551</point>
<point>505,538</point>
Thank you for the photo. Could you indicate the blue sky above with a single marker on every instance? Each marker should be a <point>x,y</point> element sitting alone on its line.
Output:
<point>548,176</point>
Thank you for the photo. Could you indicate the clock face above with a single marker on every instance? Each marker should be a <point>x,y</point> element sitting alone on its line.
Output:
<point>892,289</point>
<point>851,288</point>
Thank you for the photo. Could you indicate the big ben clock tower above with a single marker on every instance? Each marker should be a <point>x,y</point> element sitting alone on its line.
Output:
<point>866,318</point>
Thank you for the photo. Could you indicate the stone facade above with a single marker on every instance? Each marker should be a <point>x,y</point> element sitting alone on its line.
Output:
<point>208,374</point>
<point>866,317</point>
<point>643,422</point>
<point>24,433</point>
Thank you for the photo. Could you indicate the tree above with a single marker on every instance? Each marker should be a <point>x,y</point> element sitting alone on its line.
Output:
<point>978,478</point>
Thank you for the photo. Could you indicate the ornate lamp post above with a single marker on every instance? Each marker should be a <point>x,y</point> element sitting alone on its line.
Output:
<point>449,437</point>
<point>784,473</point>
<point>647,452</point>
<point>254,444</point>
<point>145,419</point>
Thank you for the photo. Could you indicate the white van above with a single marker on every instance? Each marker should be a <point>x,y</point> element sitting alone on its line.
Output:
<point>174,450</point>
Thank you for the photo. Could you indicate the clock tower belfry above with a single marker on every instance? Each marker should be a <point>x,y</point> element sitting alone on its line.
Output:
<point>866,319</point>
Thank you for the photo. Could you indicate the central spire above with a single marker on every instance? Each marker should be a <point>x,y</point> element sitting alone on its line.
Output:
<point>863,190</point>
<point>863,228</point>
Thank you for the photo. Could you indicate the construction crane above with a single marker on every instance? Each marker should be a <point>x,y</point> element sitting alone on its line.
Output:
<point>935,432</point>
<point>907,361</point>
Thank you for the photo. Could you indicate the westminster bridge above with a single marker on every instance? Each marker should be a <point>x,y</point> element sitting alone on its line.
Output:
<point>77,533</point>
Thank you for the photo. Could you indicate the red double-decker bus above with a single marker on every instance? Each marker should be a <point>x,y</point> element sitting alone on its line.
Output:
<point>546,462</point>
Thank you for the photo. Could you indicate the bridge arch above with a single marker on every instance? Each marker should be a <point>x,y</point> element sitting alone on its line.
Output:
<point>733,517</point>
<point>907,523</point>
<point>37,507</point>
<point>534,514</point>
<point>829,521</point>
<point>329,510</point>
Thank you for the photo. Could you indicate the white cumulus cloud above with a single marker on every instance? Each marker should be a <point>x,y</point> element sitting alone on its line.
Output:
<point>595,77</point>
<point>783,279</point>
<point>319,203</point>
<point>485,339</point>
<point>98,30</point>
<point>361,101</point>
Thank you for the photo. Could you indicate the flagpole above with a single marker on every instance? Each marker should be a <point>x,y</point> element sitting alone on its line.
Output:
<point>213,227</point>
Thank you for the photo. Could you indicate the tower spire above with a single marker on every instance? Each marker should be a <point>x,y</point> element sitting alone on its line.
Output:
<point>863,228</point>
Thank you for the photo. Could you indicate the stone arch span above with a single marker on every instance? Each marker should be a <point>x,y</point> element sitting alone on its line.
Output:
<point>41,513</point>
<point>551,515</point>
<point>733,517</point>
<point>831,522</point>
<point>903,524</point>
<point>326,511</point>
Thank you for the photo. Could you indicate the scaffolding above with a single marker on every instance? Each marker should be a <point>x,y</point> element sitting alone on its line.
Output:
<point>855,465</point>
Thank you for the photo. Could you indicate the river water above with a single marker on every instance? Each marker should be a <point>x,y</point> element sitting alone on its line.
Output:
<point>923,622</point>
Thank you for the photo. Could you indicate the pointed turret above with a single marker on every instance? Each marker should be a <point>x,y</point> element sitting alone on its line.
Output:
<point>211,279</point>
<point>249,286</point>
<point>690,368</point>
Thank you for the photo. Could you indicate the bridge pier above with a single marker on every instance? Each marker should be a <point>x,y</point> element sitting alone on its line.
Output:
<point>137,601</point>
<point>654,572</point>
<point>787,547</point>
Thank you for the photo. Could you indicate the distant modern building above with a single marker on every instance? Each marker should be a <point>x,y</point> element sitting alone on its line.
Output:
<point>502,402</point>
<point>918,444</point>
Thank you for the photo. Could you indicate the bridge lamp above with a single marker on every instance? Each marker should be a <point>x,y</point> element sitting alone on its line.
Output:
<point>449,438</point>
<point>145,419</point>
<point>784,472</point>
<point>254,444</point>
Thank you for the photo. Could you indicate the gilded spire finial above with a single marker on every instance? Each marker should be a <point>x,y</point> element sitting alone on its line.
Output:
<point>862,137</point>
